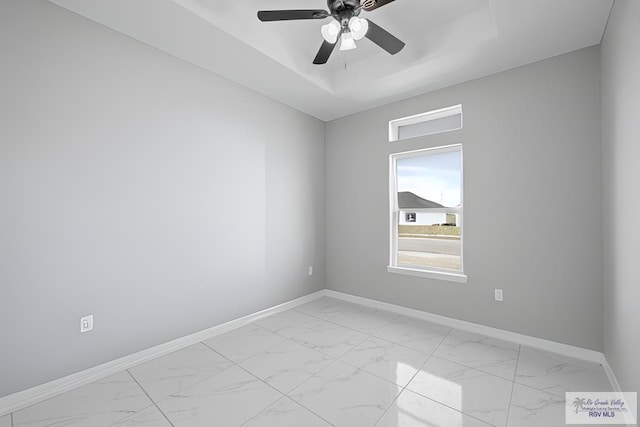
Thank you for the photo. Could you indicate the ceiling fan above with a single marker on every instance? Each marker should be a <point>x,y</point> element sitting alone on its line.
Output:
<point>346,26</point>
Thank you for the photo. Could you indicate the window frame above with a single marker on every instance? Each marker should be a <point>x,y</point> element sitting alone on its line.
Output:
<point>395,125</point>
<point>395,212</point>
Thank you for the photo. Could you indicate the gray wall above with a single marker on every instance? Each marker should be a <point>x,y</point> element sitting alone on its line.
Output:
<point>532,202</point>
<point>139,188</point>
<point>621,201</point>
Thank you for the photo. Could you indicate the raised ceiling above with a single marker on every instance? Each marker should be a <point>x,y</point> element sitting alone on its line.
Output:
<point>447,42</point>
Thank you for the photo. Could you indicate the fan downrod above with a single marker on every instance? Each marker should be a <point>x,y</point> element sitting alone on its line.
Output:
<point>344,10</point>
<point>337,6</point>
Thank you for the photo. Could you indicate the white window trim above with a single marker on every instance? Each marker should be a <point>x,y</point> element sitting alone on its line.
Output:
<point>394,216</point>
<point>429,274</point>
<point>395,125</point>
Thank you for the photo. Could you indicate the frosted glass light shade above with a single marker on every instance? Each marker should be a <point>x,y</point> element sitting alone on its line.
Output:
<point>358,27</point>
<point>347,41</point>
<point>330,31</point>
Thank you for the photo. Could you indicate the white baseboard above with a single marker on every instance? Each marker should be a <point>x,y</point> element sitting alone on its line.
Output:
<point>616,388</point>
<point>539,343</point>
<point>534,342</point>
<point>22,399</point>
<point>17,401</point>
<point>612,377</point>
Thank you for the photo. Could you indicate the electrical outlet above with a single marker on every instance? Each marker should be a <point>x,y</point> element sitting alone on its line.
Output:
<point>311,270</point>
<point>499,295</point>
<point>86,323</point>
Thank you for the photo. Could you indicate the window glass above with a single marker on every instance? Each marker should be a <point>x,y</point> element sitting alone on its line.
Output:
<point>427,209</point>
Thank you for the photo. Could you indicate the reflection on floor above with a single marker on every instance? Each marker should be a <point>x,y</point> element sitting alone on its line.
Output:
<point>328,363</point>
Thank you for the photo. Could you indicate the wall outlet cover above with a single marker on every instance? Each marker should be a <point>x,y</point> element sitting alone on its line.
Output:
<point>86,323</point>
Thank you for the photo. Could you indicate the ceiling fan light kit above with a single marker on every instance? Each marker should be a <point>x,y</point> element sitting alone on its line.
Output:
<point>359,27</point>
<point>346,26</point>
<point>347,42</point>
<point>330,31</point>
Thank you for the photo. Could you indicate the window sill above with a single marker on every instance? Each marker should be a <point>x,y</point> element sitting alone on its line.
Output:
<point>440,275</point>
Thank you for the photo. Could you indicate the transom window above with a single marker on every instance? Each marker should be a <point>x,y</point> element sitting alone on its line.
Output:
<point>429,123</point>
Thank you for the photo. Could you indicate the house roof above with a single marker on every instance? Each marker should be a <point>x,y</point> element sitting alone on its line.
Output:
<point>408,200</point>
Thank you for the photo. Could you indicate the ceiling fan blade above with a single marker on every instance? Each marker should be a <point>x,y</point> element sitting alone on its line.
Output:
<point>325,51</point>
<point>370,5</point>
<point>384,39</point>
<point>289,15</point>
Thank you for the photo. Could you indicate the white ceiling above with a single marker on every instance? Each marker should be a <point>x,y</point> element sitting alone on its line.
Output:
<point>447,42</point>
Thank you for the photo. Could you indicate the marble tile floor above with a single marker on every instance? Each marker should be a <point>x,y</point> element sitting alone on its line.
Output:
<point>330,363</point>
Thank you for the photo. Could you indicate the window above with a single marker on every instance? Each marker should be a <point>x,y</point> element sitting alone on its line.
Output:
<point>437,121</point>
<point>426,213</point>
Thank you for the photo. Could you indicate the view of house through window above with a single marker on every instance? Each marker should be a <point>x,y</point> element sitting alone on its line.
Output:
<point>427,209</point>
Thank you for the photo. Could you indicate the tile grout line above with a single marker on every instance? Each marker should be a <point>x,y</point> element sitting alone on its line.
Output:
<point>565,361</point>
<point>350,304</point>
<point>426,397</point>
<point>367,337</point>
<point>68,388</point>
<point>403,388</point>
<point>336,359</point>
<point>292,339</point>
<point>152,401</point>
<point>331,361</point>
<point>411,348</point>
<point>542,391</point>
<point>268,385</point>
<point>432,355</point>
<point>232,364</point>
<point>473,367</point>
<point>451,329</point>
<point>457,410</point>
<point>378,376</point>
<point>335,324</point>
<point>261,411</point>
<point>443,340</point>
<point>237,364</point>
<point>387,408</point>
<point>513,384</point>
<point>539,389</point>
<point>216,352</point>
<point>208,376</point>
<point>300,404</point>
<point>284,395</point>
<point>370,336</point>
<point>260,352</point>
<point>552,393</point>
<point>433,400</point>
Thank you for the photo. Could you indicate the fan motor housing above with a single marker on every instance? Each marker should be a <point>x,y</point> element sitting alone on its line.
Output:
<point>337,6</point>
